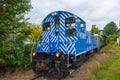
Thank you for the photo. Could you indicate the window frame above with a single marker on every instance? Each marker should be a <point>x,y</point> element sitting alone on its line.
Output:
<point>69,31</point>
<point>71,21</point>
<point>44,26</point>
<point>82,28</point>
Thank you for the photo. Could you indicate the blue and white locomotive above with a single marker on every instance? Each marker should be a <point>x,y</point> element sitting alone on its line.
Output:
<point>63,45</point>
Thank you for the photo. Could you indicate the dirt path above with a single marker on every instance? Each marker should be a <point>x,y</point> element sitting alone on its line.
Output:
<point>81,73</point>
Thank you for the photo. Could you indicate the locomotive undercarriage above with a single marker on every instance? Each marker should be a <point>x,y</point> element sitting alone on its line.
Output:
<point>46,65</point>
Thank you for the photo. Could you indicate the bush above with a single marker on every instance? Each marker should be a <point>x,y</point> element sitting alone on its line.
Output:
<point>111,39</point>
<point>14,52</point>
<point>106,48</point>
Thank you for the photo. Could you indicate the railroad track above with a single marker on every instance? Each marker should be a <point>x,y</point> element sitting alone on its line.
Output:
<point>49,78</point>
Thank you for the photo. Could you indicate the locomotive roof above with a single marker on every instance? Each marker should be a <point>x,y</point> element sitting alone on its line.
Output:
<point>62,12</point>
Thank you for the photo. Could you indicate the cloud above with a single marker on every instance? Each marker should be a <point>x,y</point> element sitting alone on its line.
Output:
<point>98,12</point>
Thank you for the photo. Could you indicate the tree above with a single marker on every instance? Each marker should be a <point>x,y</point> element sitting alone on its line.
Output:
<point>35,35</point>
<point>14,53</point>
<point>12,15</point>
<point>111,38</point>
<point>12,34</point>
<point>118,32</point>
<point>94,29</point>
<point>36,32</point>
<point>110,29</point>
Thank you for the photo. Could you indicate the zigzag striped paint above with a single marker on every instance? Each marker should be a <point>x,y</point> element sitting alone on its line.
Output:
<point>73,45</point>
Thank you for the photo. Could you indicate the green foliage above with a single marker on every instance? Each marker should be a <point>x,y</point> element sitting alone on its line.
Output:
<point>13,32</point>
<point>36,32</point>
<point>12,15</point>
<point>111,38</point>
<point>35,35</point>
<point>110,29</point>
<point>15,52</point>
<point>109,70</point>
<point>94,29</point>
<point>106,48</point>
<point>118,32</point>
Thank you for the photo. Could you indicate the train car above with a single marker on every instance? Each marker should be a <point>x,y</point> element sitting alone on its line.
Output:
<point>100,41</point>
<point>65,42</point>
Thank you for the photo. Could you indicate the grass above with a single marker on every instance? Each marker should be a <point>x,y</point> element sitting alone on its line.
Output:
<point>109,70</point>
<point>106,48</point>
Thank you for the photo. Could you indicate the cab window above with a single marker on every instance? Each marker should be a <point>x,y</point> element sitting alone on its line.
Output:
<point>70,32</point>
<point>82,27</point>
<point>46,26</point>
<point>70,22</point>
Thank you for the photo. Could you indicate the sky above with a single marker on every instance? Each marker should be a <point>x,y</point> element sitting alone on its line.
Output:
<point>93,12</point>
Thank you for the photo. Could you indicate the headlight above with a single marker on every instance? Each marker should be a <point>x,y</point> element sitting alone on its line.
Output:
<point>57,54</point>
<point>34,54</point>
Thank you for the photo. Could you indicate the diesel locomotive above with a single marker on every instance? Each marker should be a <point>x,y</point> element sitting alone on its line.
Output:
<point>64,44</point>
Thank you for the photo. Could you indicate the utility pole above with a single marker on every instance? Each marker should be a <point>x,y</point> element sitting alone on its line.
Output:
<point>118,39</point>
<point>119,29</point>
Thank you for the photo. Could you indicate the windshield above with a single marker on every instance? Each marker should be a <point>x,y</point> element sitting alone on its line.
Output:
<point>70,32</point>
<point>70,22</point>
